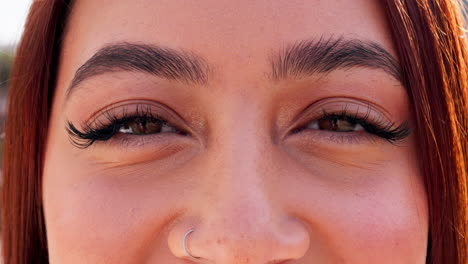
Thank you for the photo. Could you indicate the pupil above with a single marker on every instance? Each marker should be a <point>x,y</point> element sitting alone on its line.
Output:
<point>145,127</point>
<point>153,127</point>
<point>142,127</point>
<point>337,124</point>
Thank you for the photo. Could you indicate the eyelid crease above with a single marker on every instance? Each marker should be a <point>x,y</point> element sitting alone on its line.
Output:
<point>125,115</point>
<point>126,104</point>
<point>360,103</point>
<point>316,108</point>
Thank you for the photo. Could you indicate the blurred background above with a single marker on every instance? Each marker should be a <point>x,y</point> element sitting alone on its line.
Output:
<point>12,17</point>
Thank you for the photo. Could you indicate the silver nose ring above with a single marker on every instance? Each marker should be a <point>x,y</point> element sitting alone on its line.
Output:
<point>184,243</point>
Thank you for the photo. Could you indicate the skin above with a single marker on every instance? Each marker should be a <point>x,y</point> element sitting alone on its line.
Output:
<point>253,191</point>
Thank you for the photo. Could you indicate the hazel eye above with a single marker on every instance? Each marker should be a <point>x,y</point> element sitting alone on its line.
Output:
<point>145,127</point>
<point>336,124</point>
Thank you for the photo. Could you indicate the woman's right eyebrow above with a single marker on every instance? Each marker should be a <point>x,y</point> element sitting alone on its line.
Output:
<point>163,62</point>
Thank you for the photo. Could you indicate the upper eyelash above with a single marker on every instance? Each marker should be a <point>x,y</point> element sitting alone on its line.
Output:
<point>105,130</point>
<point>383,129</point>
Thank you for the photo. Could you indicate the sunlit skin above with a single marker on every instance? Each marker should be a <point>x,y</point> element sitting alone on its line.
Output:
<point>254,188</point>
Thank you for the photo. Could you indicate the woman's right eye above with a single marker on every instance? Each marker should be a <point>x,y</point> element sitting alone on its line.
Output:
<point>136,125</point>
<point>125,121</point>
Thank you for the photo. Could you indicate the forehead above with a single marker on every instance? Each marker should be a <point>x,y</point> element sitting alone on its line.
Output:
<point>226,32</point>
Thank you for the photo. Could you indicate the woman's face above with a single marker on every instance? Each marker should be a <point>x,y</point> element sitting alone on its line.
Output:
<point>275,129</point>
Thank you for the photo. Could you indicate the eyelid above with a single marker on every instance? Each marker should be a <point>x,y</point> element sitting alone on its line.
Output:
<point>133,107</point>
<point>105,124</point>
<point>352,106</point>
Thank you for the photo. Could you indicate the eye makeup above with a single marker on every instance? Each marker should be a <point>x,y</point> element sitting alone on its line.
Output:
<point>129,120</point>
<point>350,119</point>
<point>339,120</point>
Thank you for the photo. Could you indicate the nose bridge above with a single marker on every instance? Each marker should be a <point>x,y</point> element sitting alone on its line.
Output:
<point>237,169</point>
<point>238,149</point>
<point>239,158</point>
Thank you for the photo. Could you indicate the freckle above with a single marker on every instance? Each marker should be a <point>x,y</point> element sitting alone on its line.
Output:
<point>218,241</point>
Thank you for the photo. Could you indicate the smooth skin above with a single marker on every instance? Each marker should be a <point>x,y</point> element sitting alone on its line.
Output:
<point>254,191</point>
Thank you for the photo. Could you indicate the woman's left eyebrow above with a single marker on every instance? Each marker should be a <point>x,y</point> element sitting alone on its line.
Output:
<point>323,55</point>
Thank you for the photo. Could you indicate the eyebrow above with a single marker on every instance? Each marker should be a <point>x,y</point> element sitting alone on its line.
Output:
<point>162,62</point>
<point>324,55</point>
<point>297,60</point>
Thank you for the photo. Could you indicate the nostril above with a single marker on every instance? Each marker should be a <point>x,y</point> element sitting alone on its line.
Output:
<point>282,261</point>
<point>279,241</point>
<point>225,234</point>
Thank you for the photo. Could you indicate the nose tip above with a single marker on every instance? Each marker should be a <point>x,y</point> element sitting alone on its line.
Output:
<point>231,242</point>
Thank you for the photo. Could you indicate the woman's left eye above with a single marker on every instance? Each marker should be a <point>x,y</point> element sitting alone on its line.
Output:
<point>336,124</point>
<point>145,127</point>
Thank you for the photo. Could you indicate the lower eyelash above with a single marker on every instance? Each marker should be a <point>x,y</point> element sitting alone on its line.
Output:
<point>342,138</point>
<point>386,131</point>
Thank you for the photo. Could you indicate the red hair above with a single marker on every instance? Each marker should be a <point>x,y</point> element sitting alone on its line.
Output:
<point>433,55</point>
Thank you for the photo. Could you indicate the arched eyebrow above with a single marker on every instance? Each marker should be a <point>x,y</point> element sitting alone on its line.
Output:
<point>298,60</point>
<point>308,57</point>
<point>162,62</point>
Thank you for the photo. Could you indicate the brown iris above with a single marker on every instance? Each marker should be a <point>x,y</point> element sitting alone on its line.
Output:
<point>338,124</point>
<point>141,127</point>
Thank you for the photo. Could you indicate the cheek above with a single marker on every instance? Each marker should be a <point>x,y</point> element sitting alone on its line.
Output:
<point>382,220</point>
<point>390,223</point>
<point>104,216</point>
<point>367,207</point>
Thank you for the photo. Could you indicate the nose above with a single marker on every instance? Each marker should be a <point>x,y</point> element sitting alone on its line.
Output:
<point>246,231</point>
<point>240,217</point>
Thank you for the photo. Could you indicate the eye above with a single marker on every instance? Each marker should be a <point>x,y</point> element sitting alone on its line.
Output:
<point>144,127</point>
<point>337,124</point>
<point>124,123</point>
<point>353,126</point>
